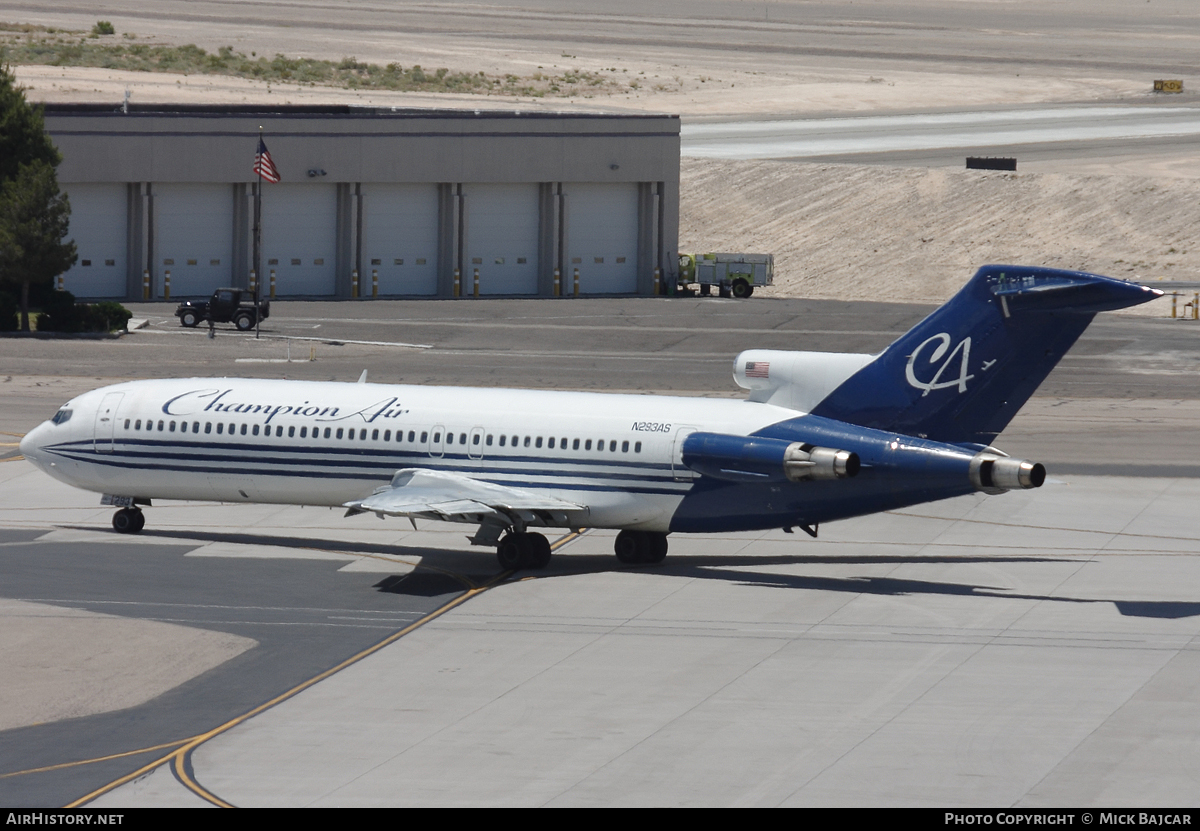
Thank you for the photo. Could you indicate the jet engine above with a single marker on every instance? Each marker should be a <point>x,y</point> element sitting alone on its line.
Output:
<point>758,459</point>
<point>992,472</point>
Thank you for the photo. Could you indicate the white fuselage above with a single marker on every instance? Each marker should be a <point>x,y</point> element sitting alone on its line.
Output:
<point>322,443</point>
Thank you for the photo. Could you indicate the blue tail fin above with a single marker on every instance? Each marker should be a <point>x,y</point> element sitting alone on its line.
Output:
<point>961,374</point>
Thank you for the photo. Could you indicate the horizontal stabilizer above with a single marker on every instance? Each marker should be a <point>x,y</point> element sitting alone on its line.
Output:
<point>962,373</point>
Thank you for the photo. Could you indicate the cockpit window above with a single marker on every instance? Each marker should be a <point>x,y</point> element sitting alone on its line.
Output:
<point>62,416</point>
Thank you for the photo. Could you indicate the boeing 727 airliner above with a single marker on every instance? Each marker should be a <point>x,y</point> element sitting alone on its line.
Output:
<point>821,437</point>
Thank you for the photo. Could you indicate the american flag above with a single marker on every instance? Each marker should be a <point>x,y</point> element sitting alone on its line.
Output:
<point>758,369</point>
<point>263,165</point>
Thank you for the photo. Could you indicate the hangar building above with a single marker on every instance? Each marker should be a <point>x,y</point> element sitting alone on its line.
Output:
<point>410,196</point>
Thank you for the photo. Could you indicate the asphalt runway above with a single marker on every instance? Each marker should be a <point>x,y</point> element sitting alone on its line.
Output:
<point>1036,648</point>
<point>1080,131</point>
<point>1099,37</point>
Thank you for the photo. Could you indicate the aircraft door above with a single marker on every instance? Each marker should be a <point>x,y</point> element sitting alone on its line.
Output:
<point>681,472</point>
<point>106,422</point>
<point>436,438</point>
<point>475,446</point>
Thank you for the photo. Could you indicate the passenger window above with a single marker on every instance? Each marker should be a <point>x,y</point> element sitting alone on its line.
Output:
<point>412,433</point>
<point>220,428</point>
<point>208,427</point>
<point>575,444</point>
<point>563,444</point>
<point>243,429</point>
<point>462,438</point>
<point>551,442</point>
<point>502,439</point>
<point>624,447</point>
<point>160,426</point>
<point>195,427</point>
<point>489,440</point>
<point>327,432</point>
<point>339,432</point>
<point>232,429</point>
<point>449,438</point>
<point>362,434</point>
<point>139,425</point>
<point>475,440</point>
<point>291,432</point>
<point>527,441</point>
<point>126,424</point>
<point>254,430</point>
<point>387,435</point>
<point>303,432</point>
<point>424,437</point>
<point>538,443</point>
<point>612,446</point>
<point>587,445</point>
<point>637,448</point>
<point>436,437</point>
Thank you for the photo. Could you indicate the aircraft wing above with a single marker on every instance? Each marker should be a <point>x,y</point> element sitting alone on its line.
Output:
<point>438,494</point>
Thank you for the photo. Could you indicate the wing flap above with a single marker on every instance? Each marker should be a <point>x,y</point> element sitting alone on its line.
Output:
<point>444,495</point>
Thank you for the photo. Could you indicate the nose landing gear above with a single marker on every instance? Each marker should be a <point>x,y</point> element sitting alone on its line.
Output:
<point>128,521</point>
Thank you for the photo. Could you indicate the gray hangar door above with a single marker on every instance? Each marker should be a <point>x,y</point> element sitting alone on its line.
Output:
<point>99,219</point>
<point>193,237</point>
<point>400,238</point>
<point>299,237</point>
<point>602,236</point>
<point>501,238</point>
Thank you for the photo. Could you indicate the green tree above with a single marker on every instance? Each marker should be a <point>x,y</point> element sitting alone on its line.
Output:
<point>34,215</point>
<point>23,136</point>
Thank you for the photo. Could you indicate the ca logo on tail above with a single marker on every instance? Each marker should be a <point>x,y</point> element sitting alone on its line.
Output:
<point>962,350</point>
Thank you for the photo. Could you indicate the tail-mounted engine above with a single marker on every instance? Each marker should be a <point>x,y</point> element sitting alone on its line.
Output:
<point>757,459</point>
<point>993,473</point>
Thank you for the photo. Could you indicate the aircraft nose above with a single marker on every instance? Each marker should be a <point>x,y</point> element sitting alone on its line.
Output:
<point>31,444</point>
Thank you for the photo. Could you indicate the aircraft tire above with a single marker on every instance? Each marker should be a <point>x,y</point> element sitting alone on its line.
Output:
<point>631,548</point>
<point>514,552</point>
<point>656,547</point>
<point>540,552</point>
<point>244,322</point>
<point>128,521</point>
<point>189,319</point>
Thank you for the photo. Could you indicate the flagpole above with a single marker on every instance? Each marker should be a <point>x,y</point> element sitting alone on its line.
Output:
<point>258,274</point>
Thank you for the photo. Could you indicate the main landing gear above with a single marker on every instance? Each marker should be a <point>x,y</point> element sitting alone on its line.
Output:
<point>519,551</point>
<point>523,550</point>
<point>128,521</point>
<point>641,547</point>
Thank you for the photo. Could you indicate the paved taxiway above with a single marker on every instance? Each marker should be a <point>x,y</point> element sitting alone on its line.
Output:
<point>1032,649</point>
<point>891,136</point>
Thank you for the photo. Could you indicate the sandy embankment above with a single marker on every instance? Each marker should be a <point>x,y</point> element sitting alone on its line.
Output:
<point>860,232</point>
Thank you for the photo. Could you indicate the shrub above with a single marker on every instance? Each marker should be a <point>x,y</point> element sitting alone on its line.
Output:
<point>8,313</point>
<point>103,27</point>
<point>60,313</point>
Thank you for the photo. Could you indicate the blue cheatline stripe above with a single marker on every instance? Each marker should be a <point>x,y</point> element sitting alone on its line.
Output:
<point>368,467</point>
<point>559,479</point>
<point>355,453</point>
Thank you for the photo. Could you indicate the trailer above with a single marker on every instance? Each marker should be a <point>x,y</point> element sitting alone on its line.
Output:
<point>735,275</point>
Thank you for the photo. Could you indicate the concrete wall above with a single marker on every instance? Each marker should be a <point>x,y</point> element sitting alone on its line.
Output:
<point>154,146</point>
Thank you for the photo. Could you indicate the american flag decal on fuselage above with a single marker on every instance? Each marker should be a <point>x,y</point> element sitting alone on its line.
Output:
<point>758,369</point>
